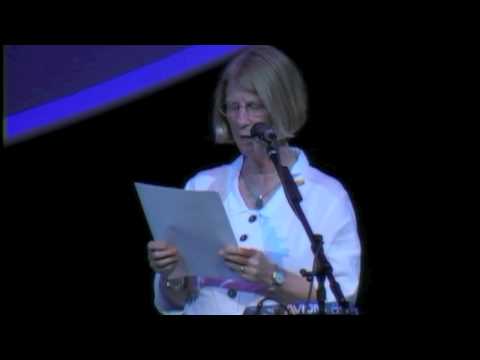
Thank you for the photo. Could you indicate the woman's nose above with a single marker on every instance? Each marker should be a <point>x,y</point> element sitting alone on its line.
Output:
<point>243,116</point>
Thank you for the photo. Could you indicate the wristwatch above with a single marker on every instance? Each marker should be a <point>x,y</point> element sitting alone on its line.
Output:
<point>278,277</point>
<point>175,284</point>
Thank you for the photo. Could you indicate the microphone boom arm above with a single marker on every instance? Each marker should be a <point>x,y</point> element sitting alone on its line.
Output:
<point>322,268</point>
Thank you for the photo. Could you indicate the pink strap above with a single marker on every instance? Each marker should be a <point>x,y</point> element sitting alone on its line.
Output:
<point>237,284</point>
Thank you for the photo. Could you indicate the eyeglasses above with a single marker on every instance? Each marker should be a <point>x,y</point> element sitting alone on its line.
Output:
<point>251,108</point>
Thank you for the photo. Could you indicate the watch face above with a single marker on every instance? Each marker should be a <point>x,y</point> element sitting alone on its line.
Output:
<point>175,284</point>
<point>279,277</point>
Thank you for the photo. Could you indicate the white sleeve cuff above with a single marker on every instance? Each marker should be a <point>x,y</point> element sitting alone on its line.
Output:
<point>162,304</point>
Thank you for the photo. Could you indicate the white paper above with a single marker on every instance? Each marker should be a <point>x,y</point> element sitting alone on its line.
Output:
<point>194,221</point>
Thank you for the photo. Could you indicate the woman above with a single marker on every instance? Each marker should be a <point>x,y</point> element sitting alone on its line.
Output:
<point>261,84</point>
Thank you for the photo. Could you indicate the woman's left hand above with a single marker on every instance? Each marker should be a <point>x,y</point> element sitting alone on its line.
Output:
<point>252,264</point>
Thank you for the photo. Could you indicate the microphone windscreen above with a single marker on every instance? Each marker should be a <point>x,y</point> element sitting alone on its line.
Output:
<point>259,130</point>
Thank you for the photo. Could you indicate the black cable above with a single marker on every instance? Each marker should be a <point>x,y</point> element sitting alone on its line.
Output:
<point>260,305</point>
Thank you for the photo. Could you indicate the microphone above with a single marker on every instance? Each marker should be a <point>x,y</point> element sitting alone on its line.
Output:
<point>264,132</point>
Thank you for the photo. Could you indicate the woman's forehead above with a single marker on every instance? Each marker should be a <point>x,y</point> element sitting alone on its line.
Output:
<point>236,91</point>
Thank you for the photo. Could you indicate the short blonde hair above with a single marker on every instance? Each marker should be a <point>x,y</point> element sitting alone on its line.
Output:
<point>274,78</point>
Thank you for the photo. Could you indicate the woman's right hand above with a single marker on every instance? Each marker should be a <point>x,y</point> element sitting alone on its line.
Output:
<point>163,257</point>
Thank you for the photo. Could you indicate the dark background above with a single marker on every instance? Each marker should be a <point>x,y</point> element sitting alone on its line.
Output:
<point>77,235</point>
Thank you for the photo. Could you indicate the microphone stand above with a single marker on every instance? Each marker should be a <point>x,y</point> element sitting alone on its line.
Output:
<point>321,268</point>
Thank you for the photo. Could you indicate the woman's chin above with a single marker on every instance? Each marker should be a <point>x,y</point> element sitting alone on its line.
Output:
<point>251,148</point>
